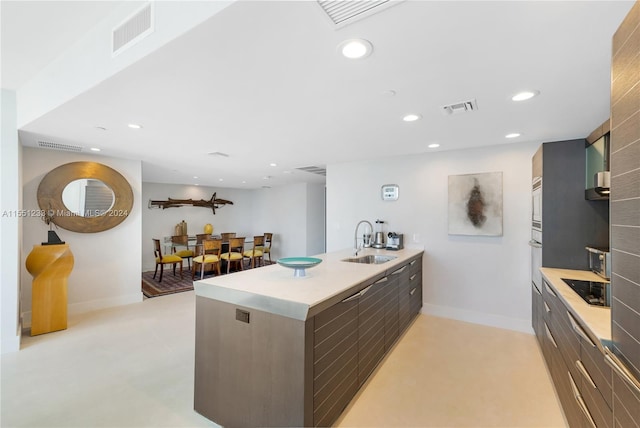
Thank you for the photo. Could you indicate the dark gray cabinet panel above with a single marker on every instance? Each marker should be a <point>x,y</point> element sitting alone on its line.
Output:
<point>569,222</point>
<point>371,324</point>
<point>335,365</point>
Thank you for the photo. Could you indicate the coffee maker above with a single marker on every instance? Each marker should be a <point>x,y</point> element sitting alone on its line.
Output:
<point>378,241</point>
<point>395,241</point>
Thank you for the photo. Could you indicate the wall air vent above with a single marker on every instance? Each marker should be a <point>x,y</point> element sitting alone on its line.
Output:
<point>132,30</point>
<point>58,146</point>
<point>461,107</point>
<point>219,154</point>
<point>344,12</point>
<point>314,170</point>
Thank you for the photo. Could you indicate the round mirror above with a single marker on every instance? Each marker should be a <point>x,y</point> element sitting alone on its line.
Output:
<point>88,197</point>
<point>64,195</point>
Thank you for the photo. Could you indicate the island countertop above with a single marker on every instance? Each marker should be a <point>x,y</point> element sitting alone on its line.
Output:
<point>274,288</point>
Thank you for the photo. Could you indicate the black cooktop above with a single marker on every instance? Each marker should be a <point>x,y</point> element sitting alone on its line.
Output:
<point>593,292</point>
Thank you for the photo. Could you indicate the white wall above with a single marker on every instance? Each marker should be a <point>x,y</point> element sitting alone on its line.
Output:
<point>107,264</point>
<point>485,280</point>
<point>10,204</point>
<point>283,211</point>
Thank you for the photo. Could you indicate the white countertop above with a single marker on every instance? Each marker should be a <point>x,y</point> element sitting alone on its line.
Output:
<point>596,318</point>
<point>274,289</point>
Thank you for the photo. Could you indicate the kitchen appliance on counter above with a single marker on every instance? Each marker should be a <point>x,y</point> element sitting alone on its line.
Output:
<point>395,241</point>
<point>378,241</point>
<point>593,292</point>
<point>600,261</point>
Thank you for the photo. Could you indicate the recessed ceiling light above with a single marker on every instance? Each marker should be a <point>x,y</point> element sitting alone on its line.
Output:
<point>412,117</point>
<point>135,126</point>
<point>512,135</point>
<point>95,149</point>
<point>195,184</point>
<point>433,146</point>
<point>355,48</point>
<point>195,176</point>
<point>273,164</point>
<point>524,95</point>
<point>220,179</point>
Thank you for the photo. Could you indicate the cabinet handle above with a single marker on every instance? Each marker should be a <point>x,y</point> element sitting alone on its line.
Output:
<point>399,271</point>
<point>380,281</point>
<point>413,276</point>
<point>350,298</point>
<point>413,262</point>
<point>364,290</point>
<point>535,287</point>
<point>553,342</point>
<point>412,291</point>
<point>535,244</point>
<point>613,361</point>
<point>580,401</point>
<point>547,308</point>
<point>583,371</point>
<point>580,331</point>
<point>549,290</point>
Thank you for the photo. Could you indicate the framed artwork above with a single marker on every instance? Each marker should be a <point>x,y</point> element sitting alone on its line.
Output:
<point>475,204</point>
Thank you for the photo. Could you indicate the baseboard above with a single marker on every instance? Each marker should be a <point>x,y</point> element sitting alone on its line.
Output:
<point>481,318</point>
<point>90,306</point>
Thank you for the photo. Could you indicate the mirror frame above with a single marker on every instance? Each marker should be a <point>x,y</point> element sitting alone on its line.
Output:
<point>52,185</point>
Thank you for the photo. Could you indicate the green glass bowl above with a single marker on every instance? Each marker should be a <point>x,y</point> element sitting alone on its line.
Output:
<point>299,264</point>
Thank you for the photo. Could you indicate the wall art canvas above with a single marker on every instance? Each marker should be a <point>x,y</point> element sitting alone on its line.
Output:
<point>475,204</point>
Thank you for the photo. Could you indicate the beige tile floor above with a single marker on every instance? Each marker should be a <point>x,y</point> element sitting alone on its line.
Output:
<point>132,366</point>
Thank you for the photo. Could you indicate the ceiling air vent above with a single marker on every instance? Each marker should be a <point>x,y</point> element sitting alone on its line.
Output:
<point>219,154</point>
<point>461,107</point>
<point>344,12</point>
<point>132,30</point>
<point>58,146</point>
<point>314,170</point>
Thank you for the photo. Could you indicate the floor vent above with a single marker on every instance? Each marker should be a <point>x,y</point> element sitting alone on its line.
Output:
<point>461,107</point>
<point>132,30</point>
<point>58,146</point>
<point>314,170</point>
<point>344,12</point>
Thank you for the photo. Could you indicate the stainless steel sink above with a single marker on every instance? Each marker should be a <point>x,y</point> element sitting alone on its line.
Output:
<point>370,259</point>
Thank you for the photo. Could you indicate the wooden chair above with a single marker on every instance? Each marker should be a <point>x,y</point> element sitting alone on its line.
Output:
<point>256,252</point>
<point>226,236</point>
<point>185,253</point>
<point>161,260</point>
<point>235,252</point>
<point>268,237</point>
<point>209,255</point>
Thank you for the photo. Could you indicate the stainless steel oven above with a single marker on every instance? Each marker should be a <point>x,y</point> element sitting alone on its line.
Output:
<point>536,232</point>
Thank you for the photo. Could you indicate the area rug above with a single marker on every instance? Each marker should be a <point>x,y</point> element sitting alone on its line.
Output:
<point>170,284</point>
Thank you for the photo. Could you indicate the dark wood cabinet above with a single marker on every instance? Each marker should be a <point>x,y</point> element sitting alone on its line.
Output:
<point>371,327</point>
<point>582,379</point>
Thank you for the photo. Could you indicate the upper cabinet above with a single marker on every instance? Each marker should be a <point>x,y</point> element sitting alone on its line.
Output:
<point>597,175</point>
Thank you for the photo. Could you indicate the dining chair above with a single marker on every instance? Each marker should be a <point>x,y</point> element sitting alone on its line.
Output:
<point>226,236</point>
<point>255,253</point>
<point>209,255</point>
<point>268,237</point>
<point>170,259</point>
<point>234,253</point>
<point>185,253</point>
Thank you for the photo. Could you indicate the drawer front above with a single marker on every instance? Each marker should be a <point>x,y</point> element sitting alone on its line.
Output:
<point>601,374</point>
<point>559,323</point>
<point>598,408</point>
<point>626,404</point>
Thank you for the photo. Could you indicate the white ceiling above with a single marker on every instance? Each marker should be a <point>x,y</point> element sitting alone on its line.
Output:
<point>262,81</point>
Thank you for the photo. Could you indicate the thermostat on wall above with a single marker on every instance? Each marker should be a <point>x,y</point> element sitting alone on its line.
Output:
<point>390,192</point>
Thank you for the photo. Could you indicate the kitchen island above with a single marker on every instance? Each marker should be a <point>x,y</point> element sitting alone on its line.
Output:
<point>277,350</point>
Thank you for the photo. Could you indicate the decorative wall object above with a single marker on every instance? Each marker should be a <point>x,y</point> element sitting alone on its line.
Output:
<point>212,203</point>
<point>87,218</point>
<point>475,204</point>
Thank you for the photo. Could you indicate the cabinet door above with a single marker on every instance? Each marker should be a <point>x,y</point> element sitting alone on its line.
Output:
<point>391,312</point>
<point>335,360</point>
<point>371,322</point>
<point>537,311</point>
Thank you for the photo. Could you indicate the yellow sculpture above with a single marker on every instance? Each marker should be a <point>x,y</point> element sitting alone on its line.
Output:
<point>50,266</point>
<point>208,229</point>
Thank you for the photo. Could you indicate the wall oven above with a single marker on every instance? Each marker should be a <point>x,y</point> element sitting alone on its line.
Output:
<point>536,232</point>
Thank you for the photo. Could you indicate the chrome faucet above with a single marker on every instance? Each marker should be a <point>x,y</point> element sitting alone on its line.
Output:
<point>355,236</point>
